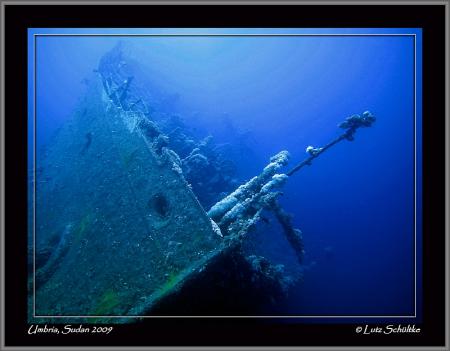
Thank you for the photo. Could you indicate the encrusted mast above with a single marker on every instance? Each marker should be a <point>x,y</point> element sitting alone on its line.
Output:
<point>240,210</point>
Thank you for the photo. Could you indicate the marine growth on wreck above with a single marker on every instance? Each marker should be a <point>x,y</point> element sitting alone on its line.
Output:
<point>143,218</point>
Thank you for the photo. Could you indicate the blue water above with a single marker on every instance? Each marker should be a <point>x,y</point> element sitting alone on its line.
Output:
<point>355,205</point>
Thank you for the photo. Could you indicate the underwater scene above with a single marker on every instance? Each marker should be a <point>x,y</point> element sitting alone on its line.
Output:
<point>224,172</point>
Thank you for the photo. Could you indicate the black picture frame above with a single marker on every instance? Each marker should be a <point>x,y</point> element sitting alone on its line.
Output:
<point>211,331</point>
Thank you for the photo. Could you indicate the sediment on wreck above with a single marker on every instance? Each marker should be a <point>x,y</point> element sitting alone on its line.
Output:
<point>118,228</point>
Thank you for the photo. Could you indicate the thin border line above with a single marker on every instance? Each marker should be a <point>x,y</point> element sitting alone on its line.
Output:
<point>34,174</point>
<point>224,35</point>
<point>35,35</point>
<point>231,2</point>
<point>415,180</point>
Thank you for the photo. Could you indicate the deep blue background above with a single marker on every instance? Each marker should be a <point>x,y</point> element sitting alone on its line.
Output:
<point>355,205</point>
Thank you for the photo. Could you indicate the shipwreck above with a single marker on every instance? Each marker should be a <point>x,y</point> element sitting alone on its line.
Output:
<point>119,231</point>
